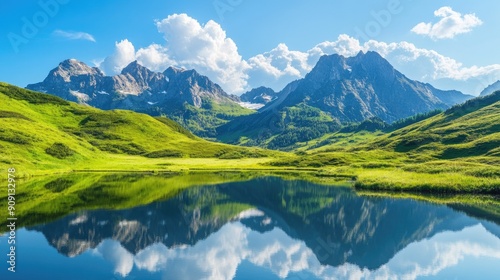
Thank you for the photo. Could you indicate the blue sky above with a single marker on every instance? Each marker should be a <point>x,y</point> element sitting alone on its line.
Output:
<point>242,44</point>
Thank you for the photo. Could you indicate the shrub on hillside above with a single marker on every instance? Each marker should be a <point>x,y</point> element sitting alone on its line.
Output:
<point>59,150</point>
<point>164,153</point>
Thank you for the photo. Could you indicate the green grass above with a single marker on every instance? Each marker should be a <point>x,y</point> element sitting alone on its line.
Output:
<point>46,198</point>
<point>59,150</point>
<point>278,129</point>
<point>204,121</point>
<point>43,134</point>
<point>454,151</point>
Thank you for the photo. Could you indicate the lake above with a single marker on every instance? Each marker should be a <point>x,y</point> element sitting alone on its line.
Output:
<point>154,227</point>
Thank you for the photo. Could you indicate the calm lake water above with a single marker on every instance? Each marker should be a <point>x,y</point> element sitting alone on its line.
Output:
<point>265,228</point>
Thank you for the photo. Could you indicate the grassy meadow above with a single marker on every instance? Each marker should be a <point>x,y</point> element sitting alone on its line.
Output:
<point>42,134</point>
<point>456,151</point>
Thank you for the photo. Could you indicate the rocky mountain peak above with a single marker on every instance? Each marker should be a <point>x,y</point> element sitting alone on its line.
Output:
<point>335,68</point>
<point>172,72</point>
<point>134,68</point>
<point>261,95</point>
<point>145,78</point>
<point>71,68</point>
<point>179,77</point>
<point>137,88</point>
<point>343,90</point>
<point>371,64</point>
<point>329,67</point>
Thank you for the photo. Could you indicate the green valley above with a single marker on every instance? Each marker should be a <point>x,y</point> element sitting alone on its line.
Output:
<point>453,151</point>
<point>41,134</point>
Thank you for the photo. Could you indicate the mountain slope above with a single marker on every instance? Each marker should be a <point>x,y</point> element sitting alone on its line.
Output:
<point>454,151</point>
<point>344,90</point>
<point>469,129</point>
<point>259,96</point>
<point>490,89</point>
<point>43,132</point>
<point>184,95</point>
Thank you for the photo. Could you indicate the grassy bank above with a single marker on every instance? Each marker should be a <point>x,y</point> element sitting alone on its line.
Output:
<point>42,134</point>
<point>45,198</point>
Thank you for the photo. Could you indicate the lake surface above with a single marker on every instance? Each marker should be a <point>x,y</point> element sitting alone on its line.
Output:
<point>264,228</point>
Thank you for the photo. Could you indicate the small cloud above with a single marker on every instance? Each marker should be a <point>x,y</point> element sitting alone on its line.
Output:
<point>451,24</point>
<point>70,35</point>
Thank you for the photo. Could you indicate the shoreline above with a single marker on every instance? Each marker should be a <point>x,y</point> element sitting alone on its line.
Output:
<point>375,180</point>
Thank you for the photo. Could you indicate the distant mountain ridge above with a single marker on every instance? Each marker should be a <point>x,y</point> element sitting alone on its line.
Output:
<point>367,85</point>
<point>360,234</point>
<point>261,95</point>
<point>491,89</point>
<point>339,90</point>
<point>174,93</point>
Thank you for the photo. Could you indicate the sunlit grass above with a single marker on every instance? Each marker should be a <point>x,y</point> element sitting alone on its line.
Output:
<point>455,151</point>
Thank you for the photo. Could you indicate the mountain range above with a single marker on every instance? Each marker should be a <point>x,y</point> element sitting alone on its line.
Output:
<point>490,89</point>
<point>339,90</point>
<point>40,131</point>
<point>260,96</point>
<point>184,95</point>
<point>344,226</point>
<point>456,149</point>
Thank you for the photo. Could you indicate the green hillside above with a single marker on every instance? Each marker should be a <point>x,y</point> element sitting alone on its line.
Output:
<point>467,130</point>
<point>41,133</point>
<point>278,129</point>
<point>201,121</point>
<point>454,151</point>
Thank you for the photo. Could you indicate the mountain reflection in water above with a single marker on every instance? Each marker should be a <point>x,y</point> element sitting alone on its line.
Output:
<point>278,229</point>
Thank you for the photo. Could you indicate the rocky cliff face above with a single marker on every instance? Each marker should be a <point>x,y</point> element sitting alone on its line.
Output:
<point>75,81</point>
<point>338,90</point>
<point>356,88</point>
<point>260,95</point>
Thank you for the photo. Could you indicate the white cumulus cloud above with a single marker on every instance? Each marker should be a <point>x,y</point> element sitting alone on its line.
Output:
<point>451,24</point>
<point>278,67</point>
<point>113,251</point>
<point>123,55</point>
<point>191,45</point>
<point>428,65</point>
<point>72,35</point>
<point>154,57</point>
<point>220,254</point>
<point>205,48</point>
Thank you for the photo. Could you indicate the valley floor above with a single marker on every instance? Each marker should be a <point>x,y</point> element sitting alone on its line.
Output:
<point>381,172</point>
<point>457,151</point>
